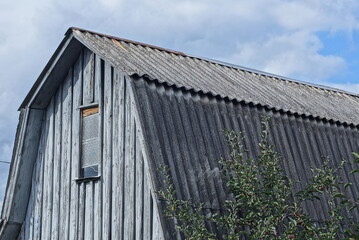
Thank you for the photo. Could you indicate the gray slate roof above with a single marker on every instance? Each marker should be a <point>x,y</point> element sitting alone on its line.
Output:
<point>228,81</point>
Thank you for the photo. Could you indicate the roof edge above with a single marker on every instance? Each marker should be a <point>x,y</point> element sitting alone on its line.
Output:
<point>147,77</point>
<point>280,77</point>
<point>127,41</point>
<point>44,72</point>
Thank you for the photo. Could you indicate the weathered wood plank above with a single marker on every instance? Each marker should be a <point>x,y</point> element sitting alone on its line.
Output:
<point>107,154</point>
<point>29,220</point>
<point>118,152</point>
<point>139,192</point>
<point>97,219</point>
<point>56,176</point>
<point>17,196</point>
<point>21,235</point>
<point>28,223</point>
<point>75,154</point>
<point>97,79</point>
<point>98,184</point>
<point>129,161</point>
<point>33,208</point>
<point>157,228</point>
<point>19,143</point>
<point>81,219</point>
<point>88,77</point>
<point>89,224</point>
<point>48,172</point>
<point>147,211</point>
<point>66,151</point>
<point>39,179</point>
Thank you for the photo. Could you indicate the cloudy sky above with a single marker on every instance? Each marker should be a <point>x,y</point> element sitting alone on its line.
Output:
<point>309,40</point>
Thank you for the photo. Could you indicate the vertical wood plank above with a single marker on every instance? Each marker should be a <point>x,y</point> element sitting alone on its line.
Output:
<point>34,207</point>
<point>75,143</point>
<point>97,219</point>
<point>28,223</point>
<point>57,166</point>
<point>39,182</point>
<point>21,235</point>
<point>147,214</point>
<point>81,219</point>
<point>22,166</point>
<point>107,153</point>
<point>66,151</point>
<point>89,224</point>
<point>139,192</point>
<point>97,78</point>
<point>118,152</point>
<point>129,172</point>
<point>48,172</point>
<point>157,229</point>
<point>20,134</point>
<point>98,184</point>
<point>88,77</point>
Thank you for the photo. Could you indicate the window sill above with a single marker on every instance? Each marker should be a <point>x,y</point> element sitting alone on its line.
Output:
<point>91,105</point>
<point>87,179</point>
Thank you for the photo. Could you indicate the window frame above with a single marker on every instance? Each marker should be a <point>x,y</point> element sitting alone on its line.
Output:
<point>80,176</point>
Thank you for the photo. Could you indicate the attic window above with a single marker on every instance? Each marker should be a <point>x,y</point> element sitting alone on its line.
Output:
<point>90,142</point>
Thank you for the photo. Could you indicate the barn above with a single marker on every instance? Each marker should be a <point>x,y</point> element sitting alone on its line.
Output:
<point>107,112</point>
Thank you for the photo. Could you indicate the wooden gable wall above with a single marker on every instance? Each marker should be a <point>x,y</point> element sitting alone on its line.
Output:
<point>120,204</point>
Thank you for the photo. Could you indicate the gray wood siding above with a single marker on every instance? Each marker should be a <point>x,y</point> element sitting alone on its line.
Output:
<point>119,205</point>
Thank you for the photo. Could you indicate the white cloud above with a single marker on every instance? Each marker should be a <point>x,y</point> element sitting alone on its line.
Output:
<point>112,4</point>
<point>317,15</point>
<point>294,54</point>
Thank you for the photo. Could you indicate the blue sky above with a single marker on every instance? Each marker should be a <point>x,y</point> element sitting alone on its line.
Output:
<point>345,45</point>
<point>309,40</point>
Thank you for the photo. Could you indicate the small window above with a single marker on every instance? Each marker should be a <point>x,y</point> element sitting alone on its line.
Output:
<point>90,147</point>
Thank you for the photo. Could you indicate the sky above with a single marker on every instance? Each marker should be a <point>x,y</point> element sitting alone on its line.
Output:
<point>310,40</point>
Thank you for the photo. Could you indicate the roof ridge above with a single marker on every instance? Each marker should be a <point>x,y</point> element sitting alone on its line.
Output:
<point>129,41</point>
<point>222,63</point>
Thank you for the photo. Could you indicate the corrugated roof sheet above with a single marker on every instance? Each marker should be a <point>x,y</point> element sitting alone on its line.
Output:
<point>200,75</point>
<point>184,130</point>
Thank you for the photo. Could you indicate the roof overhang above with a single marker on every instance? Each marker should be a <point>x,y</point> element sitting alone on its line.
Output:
<point>54,73</point>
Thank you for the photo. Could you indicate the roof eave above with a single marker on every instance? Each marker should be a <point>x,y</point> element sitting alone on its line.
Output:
<point>53,71</point>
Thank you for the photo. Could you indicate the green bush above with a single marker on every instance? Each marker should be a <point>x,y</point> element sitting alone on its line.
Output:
<point>261,202</point>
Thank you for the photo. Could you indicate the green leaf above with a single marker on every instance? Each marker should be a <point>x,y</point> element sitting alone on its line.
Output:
<point>356,155</point>
<point>314,196</point>
<point>354,171</point>
<point>339,195</point>
<point>352,208</point>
